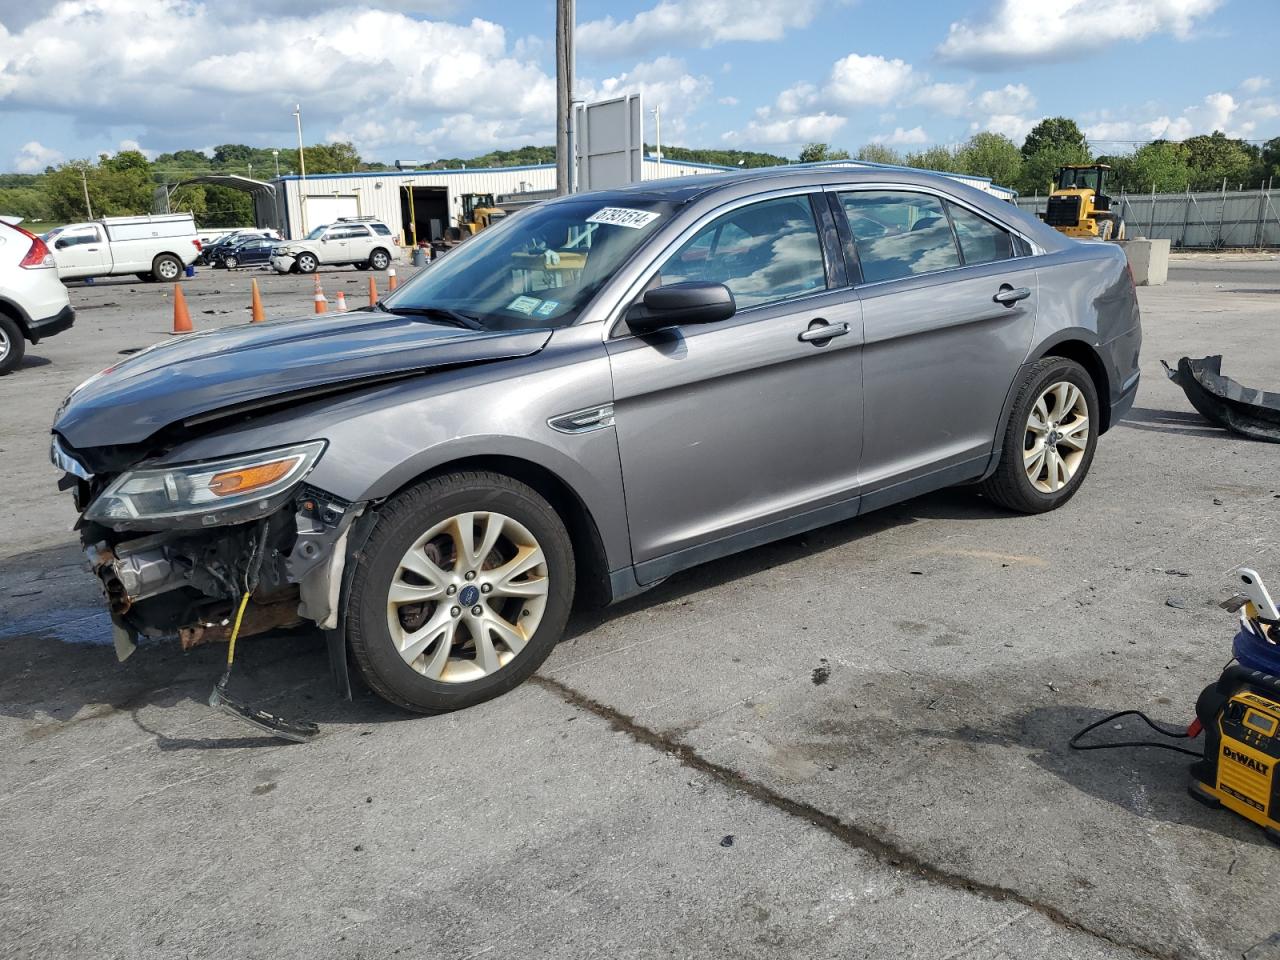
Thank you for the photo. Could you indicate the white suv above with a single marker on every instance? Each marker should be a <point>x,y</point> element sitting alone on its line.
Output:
<point>33,301</point>
<point>363,242</point>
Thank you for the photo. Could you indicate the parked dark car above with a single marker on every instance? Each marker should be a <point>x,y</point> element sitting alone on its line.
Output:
<point>586,398</point>
<point>253,251</point>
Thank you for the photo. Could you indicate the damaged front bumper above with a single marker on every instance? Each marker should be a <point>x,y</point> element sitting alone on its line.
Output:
<point>1224,402</point>
<point>188,582</point>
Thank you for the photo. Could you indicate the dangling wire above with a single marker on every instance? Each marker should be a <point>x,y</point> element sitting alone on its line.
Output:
<point>1075,744</point>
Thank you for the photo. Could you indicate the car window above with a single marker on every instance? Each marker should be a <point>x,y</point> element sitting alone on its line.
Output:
<point>899,234</point>
<point>382,230</point>
<point>338,233</point>
<point>981,241</point>
<point>74,238</point>
<point>764,252</point>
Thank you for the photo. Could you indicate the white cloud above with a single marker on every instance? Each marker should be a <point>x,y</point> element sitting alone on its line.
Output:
<point>694,23</point>
<point>728,101</point>
<point>120,63</point>
<point>1255,84</point>
<point>1023,30</point>
<point>901,137</point>
<point>34,156</point>
<point>1011,98</point>
<point>1217,111</point>
<point>789,131</point>
<point>858,80</point>
<point>663,82</point>
<point>949,99</point>
<point>1012,125</point>
<point>135,145</point>
<point>796,99</point>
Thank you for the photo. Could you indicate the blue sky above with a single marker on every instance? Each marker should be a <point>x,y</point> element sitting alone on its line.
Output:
<point>425,78</point>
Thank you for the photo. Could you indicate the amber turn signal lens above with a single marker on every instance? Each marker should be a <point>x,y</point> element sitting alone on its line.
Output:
<point>249,478</point>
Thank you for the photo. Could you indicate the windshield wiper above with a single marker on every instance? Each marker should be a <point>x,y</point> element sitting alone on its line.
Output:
<point>440,313</point>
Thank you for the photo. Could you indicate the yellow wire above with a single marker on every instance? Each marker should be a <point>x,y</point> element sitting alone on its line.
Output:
<point>235,631</point>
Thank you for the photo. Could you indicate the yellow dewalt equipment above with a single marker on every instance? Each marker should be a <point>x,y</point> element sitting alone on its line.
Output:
<point>1080,207</point>
<point>1239,716</point>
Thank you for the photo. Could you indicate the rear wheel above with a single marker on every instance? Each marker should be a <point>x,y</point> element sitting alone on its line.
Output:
<point>379,259</point>
<point>461,592</point>
<point>166,267</point>
<point>146,277</point>
<point>306,263</point>
<point>361,265</point>
<point>230,262</point>
<point>12,344</point>
<point>1050,439</point>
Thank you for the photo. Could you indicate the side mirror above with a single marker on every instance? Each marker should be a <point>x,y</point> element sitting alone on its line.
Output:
<point>696,301</point>
<point>325,238</point>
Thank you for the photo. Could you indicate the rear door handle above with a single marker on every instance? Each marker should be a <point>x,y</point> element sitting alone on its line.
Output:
<point>820,332</point>
<point>1010,295</point>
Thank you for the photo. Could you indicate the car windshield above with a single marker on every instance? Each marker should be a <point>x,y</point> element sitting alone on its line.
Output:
<point>317,232</point>
<point>539,268</point>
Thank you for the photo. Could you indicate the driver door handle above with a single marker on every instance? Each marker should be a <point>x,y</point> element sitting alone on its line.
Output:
<point>1010,295</point>
<point>820,330</point>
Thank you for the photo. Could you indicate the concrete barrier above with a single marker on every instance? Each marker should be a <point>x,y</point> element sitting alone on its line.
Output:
<point>1148,259</point>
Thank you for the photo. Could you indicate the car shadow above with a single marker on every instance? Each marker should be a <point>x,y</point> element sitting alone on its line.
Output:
<point>1176,422</point>
<point>58,666</point>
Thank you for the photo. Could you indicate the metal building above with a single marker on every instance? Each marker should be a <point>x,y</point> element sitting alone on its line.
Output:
<point>422,204</point>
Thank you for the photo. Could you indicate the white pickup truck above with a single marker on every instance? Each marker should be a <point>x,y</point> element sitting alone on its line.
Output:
<point>157,247</point>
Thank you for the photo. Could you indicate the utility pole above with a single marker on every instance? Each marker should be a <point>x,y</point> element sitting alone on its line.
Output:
<point>276,155</point>
<point>302,167</point>
<point>84,180</point>
<point>564,92</point>
<point>657,133</point>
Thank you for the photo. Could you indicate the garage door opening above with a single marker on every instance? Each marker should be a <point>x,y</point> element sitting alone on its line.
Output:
<point>424,213</point>
<point>325,209</point>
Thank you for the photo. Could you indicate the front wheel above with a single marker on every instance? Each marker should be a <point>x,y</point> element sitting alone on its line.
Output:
<point>230,263</point>
<point>462,590</point>
<point>380,260</point>
<point>306,263</point>
<point>1050,439</point>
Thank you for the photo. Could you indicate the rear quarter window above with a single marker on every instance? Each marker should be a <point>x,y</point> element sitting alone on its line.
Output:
<point>981,241</point>
<point>899,234</point>
<point>381,230</point>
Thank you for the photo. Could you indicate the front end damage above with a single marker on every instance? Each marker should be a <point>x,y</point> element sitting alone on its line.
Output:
<point>189,582</point>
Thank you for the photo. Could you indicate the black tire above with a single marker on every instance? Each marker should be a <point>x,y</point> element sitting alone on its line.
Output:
<point>146,277</point>
<point>230,262</point>
<point>307,263</point>
<point>1009,485</point>
<point>379,259</point>
<point>362,265</point>
<point>13,346</point>
<point>1119,231</point>
<point>405,518</point>
<point>166,268</point>
<point>1105,228</point>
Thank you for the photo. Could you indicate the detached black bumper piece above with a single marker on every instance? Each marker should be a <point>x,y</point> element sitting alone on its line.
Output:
<point>1224,403</point>
<point>37,330</point>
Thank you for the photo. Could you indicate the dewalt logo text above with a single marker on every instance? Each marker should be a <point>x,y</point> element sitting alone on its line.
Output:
<point>1249,762</point>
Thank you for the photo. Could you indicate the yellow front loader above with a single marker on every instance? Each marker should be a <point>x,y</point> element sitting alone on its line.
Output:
<point>1079,207</point>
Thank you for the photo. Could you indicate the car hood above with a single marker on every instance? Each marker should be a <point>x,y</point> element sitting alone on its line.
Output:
<point>247,367</point>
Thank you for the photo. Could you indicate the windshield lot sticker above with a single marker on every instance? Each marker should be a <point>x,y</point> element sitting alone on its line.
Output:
<point>525,305</point>
<point>623,217</point>
<point>548,308</point>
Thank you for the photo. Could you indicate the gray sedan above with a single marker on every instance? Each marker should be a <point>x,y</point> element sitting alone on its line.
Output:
<point>587,398</point>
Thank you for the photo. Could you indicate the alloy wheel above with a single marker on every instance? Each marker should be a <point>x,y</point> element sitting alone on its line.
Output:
<point>5,346</point>
<point>467,597</point>
<point>1057,436</point>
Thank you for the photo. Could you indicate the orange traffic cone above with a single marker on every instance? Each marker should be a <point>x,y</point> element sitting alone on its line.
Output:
<point>373,291</point>
<point>258,314</point>
<point>322,305</point>
<point>391,278</point>
<point>181,315</point>
<point>342,302</point>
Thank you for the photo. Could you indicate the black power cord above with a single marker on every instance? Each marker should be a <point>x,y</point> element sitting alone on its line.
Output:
<point>1075,744</point>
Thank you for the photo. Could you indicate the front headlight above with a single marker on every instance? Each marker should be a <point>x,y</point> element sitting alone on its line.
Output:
<point>212,492</point>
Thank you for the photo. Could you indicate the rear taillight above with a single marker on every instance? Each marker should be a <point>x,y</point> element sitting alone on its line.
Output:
<point>198,245</point>
<point>38,255</point>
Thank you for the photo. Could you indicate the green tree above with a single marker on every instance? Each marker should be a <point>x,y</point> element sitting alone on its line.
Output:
<point>879,153</point>
<point>1060,134</point>
<point>227,207</point>
<point>1270,158</point>
<point>935,158</point>
<point>1159,164</point>
<point>816,152</point>
<point>990,155</point>
<point>1216,157</point>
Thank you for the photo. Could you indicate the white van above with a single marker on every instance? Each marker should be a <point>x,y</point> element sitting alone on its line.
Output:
<point>154,247</point>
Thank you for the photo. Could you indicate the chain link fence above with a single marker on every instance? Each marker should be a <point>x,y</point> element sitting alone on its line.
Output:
<point>1195,221</point>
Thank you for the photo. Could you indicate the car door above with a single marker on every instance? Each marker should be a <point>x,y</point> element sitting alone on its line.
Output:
<point>254,251</point>
<point>361,243</point>
<point>333,247</point>
<point>736,432</point>
<point>82,252</point>
<point>949,306</point>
